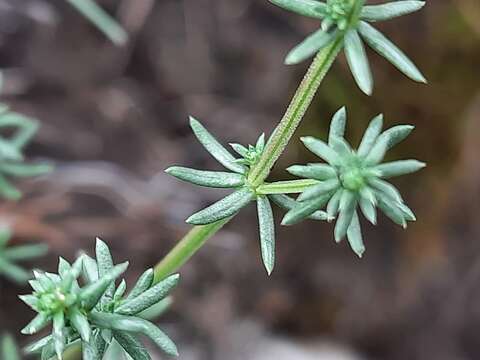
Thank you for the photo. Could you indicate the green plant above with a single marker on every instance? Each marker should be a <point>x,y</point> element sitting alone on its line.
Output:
<point>8,348</point>
<point>104,22</point>
<point>348,22</point>
<point>354,178</point>
<point>11,151</point>
<point>342,17</point>
<point>96,313</point>
<point>10,255</point>
<point>104,322</point>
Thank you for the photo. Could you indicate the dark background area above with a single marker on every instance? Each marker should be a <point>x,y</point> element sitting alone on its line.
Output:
<point>114,118</point>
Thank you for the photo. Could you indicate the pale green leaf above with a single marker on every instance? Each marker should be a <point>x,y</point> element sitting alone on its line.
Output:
<point>149,297</point>
<point>288,203</point>
<point>397,168</point>
<point>214,147</point>
<point>267,232</point>
<point>390,10</point>
<point>337,126</point>
<point>348,203</point>
<point>135,325</point>
<point>313,171</point>
<point>358,62</point>
<point>390,51</point>
<point>371,134</point>
<point>214,179</point>
<point>325,187</point>
<point>304,210</point>
<point>310,8</point>
<point>321,149</point>
<point>223,208</point>
<point>309,47</point>
<point>354,235</point>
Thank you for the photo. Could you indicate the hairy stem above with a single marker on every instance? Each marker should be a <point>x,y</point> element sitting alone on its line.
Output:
<point>295,112</point>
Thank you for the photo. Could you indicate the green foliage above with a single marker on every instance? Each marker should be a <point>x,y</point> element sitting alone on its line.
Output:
<point>104,22</point>
<point>8,348</point>
<point>243,194</point>
<point>352,179</point>
<point>11,151</point>
<point>97,313</point>
<point>10,255</point>
<point>348,21</point>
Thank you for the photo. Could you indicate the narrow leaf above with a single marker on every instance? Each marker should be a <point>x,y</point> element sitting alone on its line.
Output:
<point>267,232</point>
<point>214,179</point>
<point>392,209</point>
<point>354,235</point>
<point>143,284</point>
<point>358,62</point>
<point>397,168</point>
<point>390,10</point>
<point>222,209</point>
<point>337,126</point>
<point>25,252</point>
<point>90,295</point>
<point>288,203</point>
<point>313,171</point>
<point>149,297</point>
<point>309,47</point>
<point>80,323</point>
<point>322,150</point>
<point>371,134</point>
<point>334,204</point>
<point>135,325</point>
<point>131,345</point>
<point>348,202</point>
<point>105,264</point>
<point>214,147</point>
<point>304,210</point>
<point>385,189</point>
<point>368,210</point>
<point>309,8</point>
<point>325,187</point>
<point>25,170</point>
<point>390,51</point>
<point>58,333</point>
<point>37,324</point>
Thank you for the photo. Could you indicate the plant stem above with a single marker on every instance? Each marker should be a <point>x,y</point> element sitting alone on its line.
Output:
<point>185,249</point>
<point>295,112</point>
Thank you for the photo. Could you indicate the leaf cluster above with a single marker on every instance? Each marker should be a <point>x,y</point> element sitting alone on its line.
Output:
<point>96,314</point>
<point>345,21</point>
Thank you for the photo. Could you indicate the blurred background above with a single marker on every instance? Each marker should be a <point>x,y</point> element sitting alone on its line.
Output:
<point>113,118</point>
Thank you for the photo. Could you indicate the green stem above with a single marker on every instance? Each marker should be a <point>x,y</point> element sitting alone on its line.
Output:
<point>295,112</point>
<point>185,249</point>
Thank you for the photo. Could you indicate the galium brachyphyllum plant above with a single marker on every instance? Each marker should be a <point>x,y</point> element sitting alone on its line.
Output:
<point>97,313</point>
<point>10,255</point>
<point>352,179</point>
<point>343,21</point>
<point>103,321</point>
<point>8,348</point>
<point>346,23</point>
